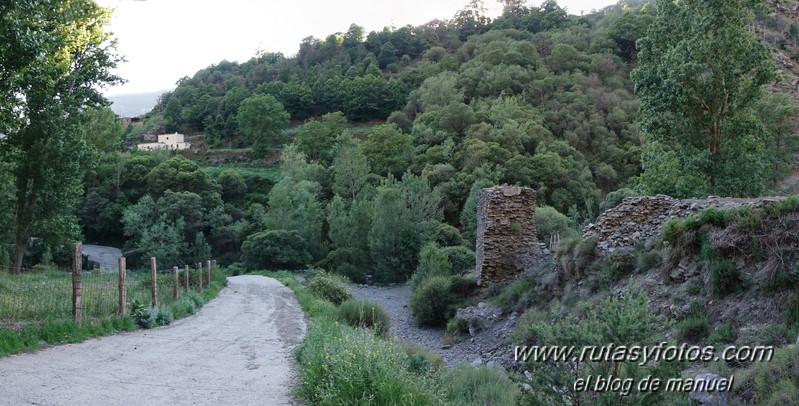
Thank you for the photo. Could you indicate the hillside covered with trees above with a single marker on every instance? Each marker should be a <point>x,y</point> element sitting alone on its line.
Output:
<point>384,137</point>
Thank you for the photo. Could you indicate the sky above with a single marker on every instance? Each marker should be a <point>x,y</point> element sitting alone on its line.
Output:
<point>164,40</point>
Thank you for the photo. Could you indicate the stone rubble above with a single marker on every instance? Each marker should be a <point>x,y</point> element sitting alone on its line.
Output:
<point>640,218</point>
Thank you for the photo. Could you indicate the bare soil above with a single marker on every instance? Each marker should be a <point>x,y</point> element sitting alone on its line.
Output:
<point>235,351</point>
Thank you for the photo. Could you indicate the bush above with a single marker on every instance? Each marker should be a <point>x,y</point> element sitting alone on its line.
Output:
<point>432,301</point>
<point>432,262</point>
<point>457,326</point>
<point>773,382</point>
<point>461,258</point>
<point>694,327</point>
<point>275,249</point>
<point>145,317</point>
<point>725,277</point>
<point>518,295</point>
<point>620,264</point>
<point>465,385</point>
<point>723,334</point>
<point>235,269</point>
<point>340,365</point>
<point>363,313</point>
<point>549,222</point>
<point>648,260</point>
<point>615,198</point>
<point>330,287</point>
<point>421,360</point>
<point>164,317</point>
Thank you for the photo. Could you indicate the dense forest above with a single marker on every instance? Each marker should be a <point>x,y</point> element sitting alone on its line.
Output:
<point>384,137</point>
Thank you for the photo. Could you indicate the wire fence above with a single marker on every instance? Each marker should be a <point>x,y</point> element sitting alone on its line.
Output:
<point>34,297</point>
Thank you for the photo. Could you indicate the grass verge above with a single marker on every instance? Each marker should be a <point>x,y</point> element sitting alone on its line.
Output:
<point>59,331</point>
<point>338,364</point>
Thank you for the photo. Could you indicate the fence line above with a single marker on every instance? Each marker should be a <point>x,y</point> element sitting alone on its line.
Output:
<point>34,297</point>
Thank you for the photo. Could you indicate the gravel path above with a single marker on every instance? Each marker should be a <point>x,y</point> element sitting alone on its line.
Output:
<point>235,351</point>
<point>394,300</point>
<point>487,345</point>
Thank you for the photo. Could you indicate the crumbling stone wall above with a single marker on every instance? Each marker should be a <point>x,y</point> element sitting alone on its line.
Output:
<point>506,238</point>
<point>638,219</point>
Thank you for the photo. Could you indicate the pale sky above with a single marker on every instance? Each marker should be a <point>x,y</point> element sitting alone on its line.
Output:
<point>164,40</point>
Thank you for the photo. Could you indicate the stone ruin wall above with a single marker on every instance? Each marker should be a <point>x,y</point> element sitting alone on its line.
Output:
<point>506,237</point>
<point>638,219</point>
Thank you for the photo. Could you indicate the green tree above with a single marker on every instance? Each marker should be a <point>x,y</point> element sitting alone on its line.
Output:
<point>389,150</point>
<point>701,71</point>
<point>350,168</point>
<point>232,184</point>
<point>317,137</point>
<point>47,77</point>
<point>262,118</point>
<point>275,249</point>
<point>103,130</point>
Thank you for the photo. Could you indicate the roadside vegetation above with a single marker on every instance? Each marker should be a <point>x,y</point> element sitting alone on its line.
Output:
<point>35,308</point>
<point>346,358</point>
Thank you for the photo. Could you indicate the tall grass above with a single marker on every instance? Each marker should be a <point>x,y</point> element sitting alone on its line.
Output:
<point>38,296</point>
<point>36,308</point>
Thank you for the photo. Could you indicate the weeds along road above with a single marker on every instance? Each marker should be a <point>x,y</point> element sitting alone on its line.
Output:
<point>235,351</point>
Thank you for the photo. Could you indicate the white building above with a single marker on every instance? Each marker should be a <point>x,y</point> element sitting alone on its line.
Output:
<point>166,141</point>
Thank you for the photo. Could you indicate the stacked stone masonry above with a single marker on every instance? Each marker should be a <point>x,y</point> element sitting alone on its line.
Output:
<point>638,219</point>
<point>506,237</point>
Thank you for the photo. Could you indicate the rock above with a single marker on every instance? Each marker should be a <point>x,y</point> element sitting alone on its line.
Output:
<point>528,375</point>
<point>527,387</point>
<point>677,275</point>
<point>481,305</point>
<point>477,362</point>
<point>705,398</point>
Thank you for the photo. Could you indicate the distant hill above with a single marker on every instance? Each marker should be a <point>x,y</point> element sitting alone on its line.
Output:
<point>130,105</point>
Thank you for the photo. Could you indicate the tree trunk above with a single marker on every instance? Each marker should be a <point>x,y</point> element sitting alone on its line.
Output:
<point>19,253</point>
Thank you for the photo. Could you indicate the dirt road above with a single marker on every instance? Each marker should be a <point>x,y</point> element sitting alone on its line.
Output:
<point>235,351</point>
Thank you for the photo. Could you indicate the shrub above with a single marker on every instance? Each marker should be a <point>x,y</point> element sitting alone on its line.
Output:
<point>463,286</point>
<point>648,260</point>
<point>694,327</point>
<point>615,198</point>
<point>345,366</point>
<point>773,382</point>
<point>465,385</point>
<point>432,262</point>
<point>461,258</point>
<point>164,316</point>
<point>723,334</point>
<point>620,264</point>
<point>725,277</point>
<point>518,295</point>
<point>421,360</point>
<point>457,326</point>
<point>235,269</point>
<point>363,313</point>
<point>432,301</point>
<point>549,222</point>
<point>275,249</point>
<point>330,287</point>
<point>145,317</point>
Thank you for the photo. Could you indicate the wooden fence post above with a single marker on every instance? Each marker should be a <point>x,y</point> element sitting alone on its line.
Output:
<point>175,283</point>
<point>208,264</point>
<point>123,291</point>
<point>186,279</point>
<point>77,282</point>
<point>154,283</point>
<point>200,276</point>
